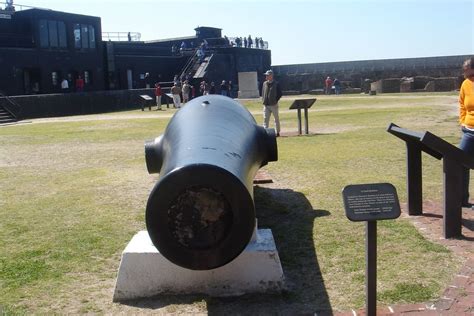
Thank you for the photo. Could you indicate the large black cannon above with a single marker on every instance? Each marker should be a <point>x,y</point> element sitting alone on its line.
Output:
<point>200,214</point>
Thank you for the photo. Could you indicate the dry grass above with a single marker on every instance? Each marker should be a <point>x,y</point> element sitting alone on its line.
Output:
<point>74,192</point>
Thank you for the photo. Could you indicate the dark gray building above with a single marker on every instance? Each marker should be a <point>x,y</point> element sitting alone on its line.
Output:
<point>39,48</point>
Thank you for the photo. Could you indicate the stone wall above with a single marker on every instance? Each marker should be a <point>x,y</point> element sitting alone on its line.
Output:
<point>357,74</point>
<point>52,105</point>
<point>414,84</point>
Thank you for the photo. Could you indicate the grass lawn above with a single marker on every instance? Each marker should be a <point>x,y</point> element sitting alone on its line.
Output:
<point>73,193</point>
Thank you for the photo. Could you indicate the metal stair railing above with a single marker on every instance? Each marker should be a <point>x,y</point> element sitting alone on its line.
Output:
<point>15,111</point>
<point>189,65</point>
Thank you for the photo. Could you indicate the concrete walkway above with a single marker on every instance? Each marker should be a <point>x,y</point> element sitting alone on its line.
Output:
<point>458,296</point>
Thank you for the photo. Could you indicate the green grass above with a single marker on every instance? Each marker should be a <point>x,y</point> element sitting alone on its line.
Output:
<point>74,193</point>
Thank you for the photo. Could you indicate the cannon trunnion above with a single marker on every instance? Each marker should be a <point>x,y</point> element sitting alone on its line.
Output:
<point>200,215</point>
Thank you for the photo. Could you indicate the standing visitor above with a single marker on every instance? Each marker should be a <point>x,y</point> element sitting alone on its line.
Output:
<point>175,91</point>
<point>271,94</point>
<point>212,89</point>
<point>231,89</point>
<point>337,86</point>
<point>186,91</point>
<point>224,88</point>
<point>249,41</point>
<point>79,84</point>
<point>466,118</point>
<point>328,83</point>
<point>158,96</point>
<point>64,85</point>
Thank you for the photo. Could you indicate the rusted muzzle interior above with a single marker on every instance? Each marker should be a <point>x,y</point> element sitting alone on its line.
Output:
<point>200,218</point>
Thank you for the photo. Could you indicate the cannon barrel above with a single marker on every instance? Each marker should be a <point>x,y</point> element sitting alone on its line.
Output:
<point>200,214</point>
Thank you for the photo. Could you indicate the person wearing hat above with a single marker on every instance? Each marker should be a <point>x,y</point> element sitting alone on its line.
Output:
<point>271,94</point>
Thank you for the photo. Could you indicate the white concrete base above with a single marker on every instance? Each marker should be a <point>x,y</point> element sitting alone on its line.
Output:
<point>248,94</point>
<point>144,272</point>
<point>248,85</point>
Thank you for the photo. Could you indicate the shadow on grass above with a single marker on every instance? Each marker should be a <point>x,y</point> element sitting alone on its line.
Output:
<point>290,216</point>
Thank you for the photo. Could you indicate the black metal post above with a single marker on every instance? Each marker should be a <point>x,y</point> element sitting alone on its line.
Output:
<point>453,188</point>
<point>371,268</point>
<point>299,122</point>
<point>414,180</point>
<point>306,129</point>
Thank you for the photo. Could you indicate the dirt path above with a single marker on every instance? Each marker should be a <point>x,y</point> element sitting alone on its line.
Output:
<point>446,101</point>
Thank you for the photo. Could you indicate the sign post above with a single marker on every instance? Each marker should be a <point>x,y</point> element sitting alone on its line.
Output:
<point>302,104</point>
<point>370,203</point>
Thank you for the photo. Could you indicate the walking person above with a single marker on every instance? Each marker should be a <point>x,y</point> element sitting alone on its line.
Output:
<point>466,118</point>
<point>79,84</point>
<point>328,84</point>
<point>158,94</point>
<point>224,88</point>
<point>231,89</point>
<point>337,86</point>
<point>186,91</point>
<point>271,94</point>
<point>212,89</point>
<point>64,86</point>
<point>175,91</point>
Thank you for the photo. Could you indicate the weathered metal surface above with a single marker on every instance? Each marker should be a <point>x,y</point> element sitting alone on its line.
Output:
<point>200,214</point>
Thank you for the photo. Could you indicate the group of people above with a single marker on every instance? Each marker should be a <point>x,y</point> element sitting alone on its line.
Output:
<point>271,94</point>
<point>247,42</point>
<point>78,84</point>
<point>330,85</point>
<point>182,91</point>
<point>226,88</point>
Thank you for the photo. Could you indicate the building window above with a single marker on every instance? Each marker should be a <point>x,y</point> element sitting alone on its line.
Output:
<point>62,35</point>
<point>52,34</point>
<point>77,36</point>
<point>44,37</point>
<point>91,36</point>
<point>87,77</point>
<point>84,36</point>
<point>54,78</point>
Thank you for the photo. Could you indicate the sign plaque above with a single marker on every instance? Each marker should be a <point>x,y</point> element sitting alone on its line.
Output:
<point>371,202</point>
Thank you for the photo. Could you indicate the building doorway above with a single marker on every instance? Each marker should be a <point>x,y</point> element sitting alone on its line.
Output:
<point>31,80</point>
<point>129,79</point>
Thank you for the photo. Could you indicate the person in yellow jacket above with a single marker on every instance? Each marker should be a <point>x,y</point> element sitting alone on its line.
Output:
<point>466,118</point>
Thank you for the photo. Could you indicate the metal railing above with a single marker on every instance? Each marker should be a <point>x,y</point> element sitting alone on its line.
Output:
<point>13,108</point>
<point>18,7</point>
<point>189,65</point>
<point>121,36</point>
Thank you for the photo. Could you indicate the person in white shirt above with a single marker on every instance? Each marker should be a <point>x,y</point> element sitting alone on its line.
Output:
<point>64,85</point>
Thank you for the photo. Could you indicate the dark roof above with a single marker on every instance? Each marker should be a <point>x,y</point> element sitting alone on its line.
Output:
<point>207,28</point>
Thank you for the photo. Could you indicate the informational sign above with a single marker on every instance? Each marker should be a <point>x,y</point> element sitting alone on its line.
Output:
<point>146,97</point>
<point>371,202</point>
<point>302,104</point>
